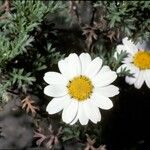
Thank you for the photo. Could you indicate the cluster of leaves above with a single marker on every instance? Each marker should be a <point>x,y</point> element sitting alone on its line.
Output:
<point>49,138</point>
<point>52,140</point>
<point>130,18</point>
<point>17,28</point>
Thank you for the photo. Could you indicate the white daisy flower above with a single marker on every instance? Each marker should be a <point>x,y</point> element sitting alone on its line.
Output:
<point>82,87</point>
<point>137,61</point>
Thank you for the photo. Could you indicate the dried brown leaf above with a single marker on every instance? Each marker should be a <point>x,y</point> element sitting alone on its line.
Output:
<point>28,105</point>
<point>90,33</point>
<point>49,137</point>
<point>41,137</point>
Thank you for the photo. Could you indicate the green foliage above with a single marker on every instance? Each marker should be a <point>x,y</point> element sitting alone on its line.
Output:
<point>116,61</point>
<point>71,132</point>
<point>16,29</point>
<point>39,65</point>
<point>119,58</point>
<point>21,79</point>
<point>16,40</point>
<point>131,17</point>
<point>53,55</point>
<point>125,72</point>
<point>111,60</point>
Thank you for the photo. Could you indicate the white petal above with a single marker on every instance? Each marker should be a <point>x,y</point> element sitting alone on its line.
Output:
<point>120,48</point>
<point>104,78</point>
<point>75,120</point>
<point>94,67</point>
<point>81,116</point>
<point>108,91</point>
<point>147,77</point>
<point>101,101</point>
<point>85,59</point>
<point>144,45</point>
<point>92,112</point>
<point>131,47</point>
<point>57,104</point>
<point>55,78</point>
<point>64,68</point>
<point>104,69</point>
<point>74,64</point>
<point>70,66</point>
<point>140,80</point>
<point>55,90</point>
<point>130,80</point>
<point>69,113</point>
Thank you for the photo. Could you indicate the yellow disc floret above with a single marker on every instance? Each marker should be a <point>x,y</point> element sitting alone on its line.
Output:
<point>80,88</point>
<point>142,60</point>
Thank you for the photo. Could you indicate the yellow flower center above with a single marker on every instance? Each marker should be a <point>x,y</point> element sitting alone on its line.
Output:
<point>142,60</point>
<point>80,88</point>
